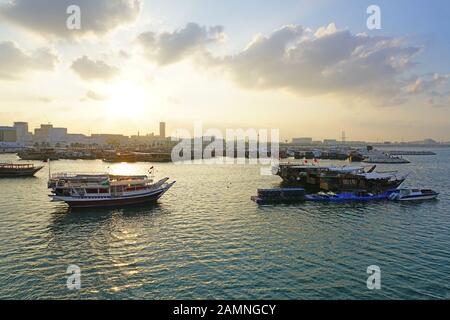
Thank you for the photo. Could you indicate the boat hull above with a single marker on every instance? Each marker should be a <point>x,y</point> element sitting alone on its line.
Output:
<point>12,173</point>
<point>419,198</point>
<point>386,161</point>
<point>316,198</point>
<point>279,195</point>
<point>114,201</point>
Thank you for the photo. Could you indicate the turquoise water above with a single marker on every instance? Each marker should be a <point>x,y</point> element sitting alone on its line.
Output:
<point>206,239</point>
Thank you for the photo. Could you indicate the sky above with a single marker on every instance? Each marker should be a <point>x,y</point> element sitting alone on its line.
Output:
<point>307,68</point>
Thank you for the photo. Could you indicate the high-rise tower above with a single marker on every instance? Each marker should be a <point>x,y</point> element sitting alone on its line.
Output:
<point>162,130</point>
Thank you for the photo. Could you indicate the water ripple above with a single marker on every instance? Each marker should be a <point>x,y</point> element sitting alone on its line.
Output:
<point>205,239</point>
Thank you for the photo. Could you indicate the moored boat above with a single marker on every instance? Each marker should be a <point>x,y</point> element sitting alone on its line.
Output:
<point>120,157</point>
<point>413,194</point>
<point>104,190</point>
<point>343,197</point>
<point>384,158</point>
<point>279,195</point>
<point>317,178</point>
<point>10,170</point>
<point>41,154</point>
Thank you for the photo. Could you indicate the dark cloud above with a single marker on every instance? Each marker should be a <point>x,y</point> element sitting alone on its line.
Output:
<point>169,47</point>
<point>15,62</point>
<point>89,69</point>
<point>48,17</point>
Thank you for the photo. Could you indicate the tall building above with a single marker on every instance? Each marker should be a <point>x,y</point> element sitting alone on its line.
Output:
<point>162,130</point>
<point>8,134</point>
<point>58,135</point>
<point>21,130</point>
<point>42,134</point>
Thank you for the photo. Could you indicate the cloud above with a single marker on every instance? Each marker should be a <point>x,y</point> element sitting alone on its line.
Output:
<point>426,83</point>
<point>44,99</point>
<point>48,18</point>
<point>170,47</point>
<point>92,95</point>
<point>327,61</point>
<point>16,62</point>
<point>88,69</point>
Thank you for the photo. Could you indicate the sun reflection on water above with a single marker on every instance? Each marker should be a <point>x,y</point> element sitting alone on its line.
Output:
<point>122,169</point>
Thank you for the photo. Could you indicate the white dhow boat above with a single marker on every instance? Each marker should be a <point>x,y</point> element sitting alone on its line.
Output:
<point>413,194</point>
<point>102,190</point>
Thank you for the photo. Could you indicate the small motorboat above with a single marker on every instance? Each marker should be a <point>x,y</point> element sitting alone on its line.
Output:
<point>341,197</point>
<point>413,194</point>
<point>279,195</point>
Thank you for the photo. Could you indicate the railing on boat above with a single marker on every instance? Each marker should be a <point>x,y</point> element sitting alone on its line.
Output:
<point>77,174</point>
<point>16,166</point>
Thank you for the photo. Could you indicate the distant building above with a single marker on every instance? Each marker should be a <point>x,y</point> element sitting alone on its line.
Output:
<point>22,131</point>
<point>330,142</point>
<point>58,135</point>
<point>8,134</point>
<point>162,130</point>
<point>430,141</point>
<point>302,140</point>
<point>141,140</point>
<point>77,139</point>
<point>109,139</point>
<point>42,134</point>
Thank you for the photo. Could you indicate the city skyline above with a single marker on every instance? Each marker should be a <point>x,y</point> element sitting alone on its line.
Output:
<point>308,69</point>
<point>57,134</point>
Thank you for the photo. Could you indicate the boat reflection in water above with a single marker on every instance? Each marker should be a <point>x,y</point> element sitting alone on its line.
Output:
<point>89,190</point>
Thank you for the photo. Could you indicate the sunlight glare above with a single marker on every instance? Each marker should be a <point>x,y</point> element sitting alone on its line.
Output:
<point>126,100</point>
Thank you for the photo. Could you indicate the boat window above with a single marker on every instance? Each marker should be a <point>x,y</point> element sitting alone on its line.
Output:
<point>404,192</point>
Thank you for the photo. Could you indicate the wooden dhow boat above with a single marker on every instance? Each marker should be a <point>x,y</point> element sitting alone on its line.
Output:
<point>315,178</point>
<point>11,170</point>
<point>105,190</point>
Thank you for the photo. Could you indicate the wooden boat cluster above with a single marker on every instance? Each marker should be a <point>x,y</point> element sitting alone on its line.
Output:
<point>337,184</point>
<point>332,178</point>
<point>113,156</point>
<point>283,195</point>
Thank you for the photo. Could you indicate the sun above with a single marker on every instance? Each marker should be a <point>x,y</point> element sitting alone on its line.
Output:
<point>126,100</point>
